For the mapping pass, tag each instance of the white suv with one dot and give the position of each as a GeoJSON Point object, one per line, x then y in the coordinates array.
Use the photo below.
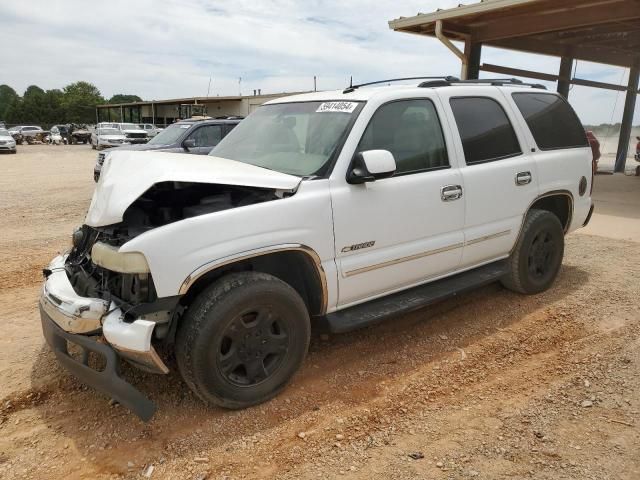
{"type": "Point", "coordinates": [341, 207]}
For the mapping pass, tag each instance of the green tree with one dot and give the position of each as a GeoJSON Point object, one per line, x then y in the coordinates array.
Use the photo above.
{"type": "Point", "coordinates": [80, 100]}
{"type": "Point", "coordinates": [123, 98]}
{"type": "Point", "coordinates": [33, 109]}
{"type": "Point", "coordinates": [8, 96]}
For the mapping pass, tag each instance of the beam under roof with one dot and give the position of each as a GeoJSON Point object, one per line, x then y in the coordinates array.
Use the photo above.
{"type": "Point", "coordinates": [603, 31]}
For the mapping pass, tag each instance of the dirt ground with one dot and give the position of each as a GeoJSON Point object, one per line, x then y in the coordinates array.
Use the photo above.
{"type": "Point", "coordinates": [489, 385]}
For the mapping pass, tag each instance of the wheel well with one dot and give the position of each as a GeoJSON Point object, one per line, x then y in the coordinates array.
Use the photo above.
{"type": "Point", "coordinates": [293, 267]}
{"type": "Point", "coordinates": [560, 204]}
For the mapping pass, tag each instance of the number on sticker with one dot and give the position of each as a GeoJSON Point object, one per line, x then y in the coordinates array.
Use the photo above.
{"type": "Point", "coordinates": [340, 107]}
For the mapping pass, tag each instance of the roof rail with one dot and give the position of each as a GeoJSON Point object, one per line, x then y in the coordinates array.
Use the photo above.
{"type": "Point", "coordinates": [353, 87]}
{"type": "Point", "coordinates": [482, 81]}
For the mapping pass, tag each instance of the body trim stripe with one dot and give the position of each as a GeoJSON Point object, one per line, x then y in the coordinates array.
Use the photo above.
{"type": "Point", "coordinates": [428, 253]}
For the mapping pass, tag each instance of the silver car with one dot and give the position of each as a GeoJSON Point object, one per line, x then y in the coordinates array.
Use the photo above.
{"type": "Point", "coordinates": [7, 143]}
{"type": "Point", "coordinates": [151, 129]}
{"type": "Point", "coordinates": [108, 137]}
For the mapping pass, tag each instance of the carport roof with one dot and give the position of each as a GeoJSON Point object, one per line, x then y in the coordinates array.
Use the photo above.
{"type": "Point", "coordinates": [603, 31]}
{"type": "Point", "coordinates": [192, 100]}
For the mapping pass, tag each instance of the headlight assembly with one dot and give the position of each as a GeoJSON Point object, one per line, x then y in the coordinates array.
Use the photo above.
{"type": "Point", "coordinates": [107, 256]}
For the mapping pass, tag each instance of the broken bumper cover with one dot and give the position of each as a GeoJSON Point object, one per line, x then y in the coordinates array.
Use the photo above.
{"type": "Point", "coordinates": [68, 317]}
{"type": "Point", "coordinates": [108, 381]}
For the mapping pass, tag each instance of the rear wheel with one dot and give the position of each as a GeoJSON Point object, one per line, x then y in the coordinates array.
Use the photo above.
{"type": "Point", "coordinates": [242, 339]}
{"type": "Point", "coordinates": [537, 257]}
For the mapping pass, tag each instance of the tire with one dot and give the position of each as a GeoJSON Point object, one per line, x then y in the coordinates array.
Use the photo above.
{"type": "Point", "coordinates": [242, 339]}
{"type": "Point", "coordinates": [537, 257]}
{"type": "Point", "coordinates": [93, 147]}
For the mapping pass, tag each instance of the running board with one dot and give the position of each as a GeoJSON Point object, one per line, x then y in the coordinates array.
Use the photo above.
{"type": "Point", "coordinates": [415, 298]}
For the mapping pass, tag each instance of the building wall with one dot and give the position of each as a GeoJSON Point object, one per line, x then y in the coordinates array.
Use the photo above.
{"type": "Point", "coordinates": [168, 113]}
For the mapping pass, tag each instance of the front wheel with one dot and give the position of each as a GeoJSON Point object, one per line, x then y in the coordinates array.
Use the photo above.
{"type": "Point", "coordinates": [242, 339]}
{"type": "Point", "coordinates": [537, 257]}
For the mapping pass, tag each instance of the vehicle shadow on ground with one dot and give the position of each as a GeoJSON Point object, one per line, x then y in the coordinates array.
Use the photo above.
{"type": "Point", "coordinates": [344, 370]}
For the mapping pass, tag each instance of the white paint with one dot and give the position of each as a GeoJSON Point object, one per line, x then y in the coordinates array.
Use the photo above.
{"type": "Point", "coordinates": [126, 175]}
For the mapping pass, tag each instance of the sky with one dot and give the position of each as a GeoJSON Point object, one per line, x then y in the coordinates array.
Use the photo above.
{"type": "Point", "coordinates": [171, 48]}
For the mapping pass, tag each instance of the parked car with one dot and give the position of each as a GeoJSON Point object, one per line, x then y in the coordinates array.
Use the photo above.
{"type": "Point", "coordinates": [107, 138]}
{"type": "Point", "coordinates": [343, 207]}
{"type": "Point", "coordinates": [108, 125]}
{"type": "Point", "coordinates": [188, 136]}
{"type": "Point", "coordinates": [7, 142]}
{"type": "Point", "coordinates": [26, 133]}
{"type": "Point", "coordinates": [151, 129]}
{"type": "Point", "coordinates": [637, 155]}
{"type": "Point", "coordinates": [135, 135]}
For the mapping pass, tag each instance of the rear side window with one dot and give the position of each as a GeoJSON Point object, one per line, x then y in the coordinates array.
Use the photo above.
{"type": "Point", "coordinates": [485, 130]}
{"type": "Point", "coordinates": [552, 121]}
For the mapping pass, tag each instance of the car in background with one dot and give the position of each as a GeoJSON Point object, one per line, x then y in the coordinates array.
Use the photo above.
{"type": "Point", "coordinates": [107, 138]}
{"type": "Point", "coordinates": [133, 132]}
{"type": "Point", "coordinates": [151, 129]}
{"type": "Point", "coordinates": [197, 137]}
{"type": "Point", "coordinates": [25, 132]}
{"type": "Point", "coordinates": [108, 125]}
{"type": "Point", "coordinates": [7, 142]}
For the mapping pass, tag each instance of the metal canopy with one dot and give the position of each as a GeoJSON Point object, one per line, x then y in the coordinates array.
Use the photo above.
{"type": "Point", "coordinates": [603, 31]}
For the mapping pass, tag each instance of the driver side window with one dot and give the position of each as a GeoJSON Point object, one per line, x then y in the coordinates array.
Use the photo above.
{"type": "Point", "coordinates": [207, 136]}
{"type": "Point", "coordinates": [411, 131]}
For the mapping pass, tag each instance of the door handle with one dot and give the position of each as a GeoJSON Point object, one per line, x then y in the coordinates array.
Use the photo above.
{"type": "Point", "coordinates": [448, 193]}
{"type": "Point", "coordinates": [523, 178]}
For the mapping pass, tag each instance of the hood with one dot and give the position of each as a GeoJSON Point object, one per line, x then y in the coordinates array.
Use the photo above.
{"type": "Point", "coordinates": [139, 147]}
{"type": "Point", "coordinates": [126, 175]}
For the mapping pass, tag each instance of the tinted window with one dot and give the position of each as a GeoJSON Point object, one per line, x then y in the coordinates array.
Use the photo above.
{"type": "Point", "coordinates": [551, 120]}
{"type": "Point", "coordinates": [411, 131]}
{"type": "Point", "coordinates": [207, 135]}
{"type": "Point", "coordinates": [485, 130]}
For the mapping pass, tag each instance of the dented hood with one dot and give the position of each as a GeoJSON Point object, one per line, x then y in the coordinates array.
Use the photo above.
{"type": "Point", "coordinates": [126, 175]}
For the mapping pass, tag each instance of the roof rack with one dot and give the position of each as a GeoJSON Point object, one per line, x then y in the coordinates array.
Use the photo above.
{"type": "Point", "coordinates": [353, 87]}
{"type": "Point", "coordinates": [447, 82]}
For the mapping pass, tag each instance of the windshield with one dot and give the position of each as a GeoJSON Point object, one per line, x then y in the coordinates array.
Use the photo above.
{"type": "Point", "coordinates": [3, 132]}
{"type": "Point", "coordinates": [109, 131]}
{"type": "Point", "coordinates": [294, 138]}
{"type": "Point", "coordinates": [130, 126]}
{"type": "Point", "coordinates": [170, 135]}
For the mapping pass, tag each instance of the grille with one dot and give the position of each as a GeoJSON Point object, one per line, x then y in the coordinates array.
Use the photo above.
{"type": "Point", "coordinates": [137, 135]}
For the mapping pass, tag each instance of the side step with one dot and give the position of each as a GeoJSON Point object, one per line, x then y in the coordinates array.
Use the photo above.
{"type": "Point", "coordinates": [415, 298]}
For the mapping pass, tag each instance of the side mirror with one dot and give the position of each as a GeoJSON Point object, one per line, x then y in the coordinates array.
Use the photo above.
{"type": "Point", "coordinates": [370, 166]}
{"type": "Point", "coordinates": [189, 143]}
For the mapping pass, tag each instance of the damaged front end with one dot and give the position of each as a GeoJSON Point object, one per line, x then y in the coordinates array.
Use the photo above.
{"type": "Point", "coordinates": [101, 297]}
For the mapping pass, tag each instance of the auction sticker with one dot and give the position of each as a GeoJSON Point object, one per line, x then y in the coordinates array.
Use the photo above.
{"type": "Point", "coordinates": [340, 107]}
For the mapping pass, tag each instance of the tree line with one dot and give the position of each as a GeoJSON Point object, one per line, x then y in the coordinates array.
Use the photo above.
{"type": "Point", "coordinates": [75, 103]}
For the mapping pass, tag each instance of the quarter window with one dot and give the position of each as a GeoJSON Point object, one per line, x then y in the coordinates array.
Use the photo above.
{"type": "Point", "coordinates": [411, 131]}
{"type": "Point", "coordinates": [485, 130]}
{"type": "Point", "coordinates": [552, 121]}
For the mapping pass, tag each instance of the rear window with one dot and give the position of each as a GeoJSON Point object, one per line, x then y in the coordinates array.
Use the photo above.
{"type": "Point", "coordinates": [552, 121]}
{"type": "Point", "coordinates": [485, 130]}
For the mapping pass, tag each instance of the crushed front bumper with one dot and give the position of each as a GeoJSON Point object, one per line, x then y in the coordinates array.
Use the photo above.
{"type": "Point", "coordinates": [108, 380]}
{"type": "Point", "coordinates": [68, 317]}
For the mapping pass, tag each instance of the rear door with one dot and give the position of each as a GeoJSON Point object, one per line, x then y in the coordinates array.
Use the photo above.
{"type": "Point", "coordinates": [499, 172]}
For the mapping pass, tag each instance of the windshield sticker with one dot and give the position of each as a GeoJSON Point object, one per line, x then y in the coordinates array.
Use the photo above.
{"type": "Point", "coordinates": [185, 126]}
{"type": "Point", "coordinates": [340, 107]}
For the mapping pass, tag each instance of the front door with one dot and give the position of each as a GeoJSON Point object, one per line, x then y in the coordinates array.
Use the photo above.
{"type": "Point", "coordinates": [407, 229]}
